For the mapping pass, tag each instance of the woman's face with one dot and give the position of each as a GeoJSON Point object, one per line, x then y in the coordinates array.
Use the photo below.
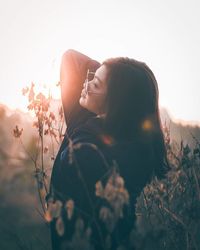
{"type": "Point", "coordinates": [93, 96]}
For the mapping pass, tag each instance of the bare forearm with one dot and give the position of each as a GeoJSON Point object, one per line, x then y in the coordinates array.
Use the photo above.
{"type": "Point", "coordinates": [73, 71]}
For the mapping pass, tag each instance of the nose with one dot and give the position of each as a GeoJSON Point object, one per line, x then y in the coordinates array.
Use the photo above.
{"type": "Point", "coordinates": [86, 86]}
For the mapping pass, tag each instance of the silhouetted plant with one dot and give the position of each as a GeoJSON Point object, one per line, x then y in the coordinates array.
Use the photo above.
{"type": "Point", "coordinates": [168, 211]}
{"type": "Point", "coordinates": [47, 125]}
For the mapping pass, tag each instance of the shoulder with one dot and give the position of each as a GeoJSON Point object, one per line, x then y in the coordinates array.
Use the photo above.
{"type": "Point", "coordinates": [90, 131]}
{"type": "Point", "coordinates": [87, 138]}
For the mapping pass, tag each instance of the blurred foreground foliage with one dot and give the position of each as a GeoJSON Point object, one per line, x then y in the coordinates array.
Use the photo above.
{"type": "Point", "coordinates": [167, 211]}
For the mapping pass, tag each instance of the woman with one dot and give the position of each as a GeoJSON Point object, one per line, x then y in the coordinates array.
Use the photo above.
{"type": "Point", "coordinates": [112, 120]}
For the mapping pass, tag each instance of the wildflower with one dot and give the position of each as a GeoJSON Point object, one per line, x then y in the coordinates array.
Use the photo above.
{"type": "Point", "coordinates": [99, 189]}
{"type": "Point", "coordinates": [119, 182]}
{"type": "Point", "coordinates": [61, 112]}
{"type": "Point", "coordinates": [31, 93]}
{"type": "Point", "coordinates": [70, 208]}
{"type": "Point", "coordinates": [52, 116]}
{"type": "Point", "coordinates": [48, 216]}
{"type": "Point", "coordinates": [54, 209]}
{"type": "Point", "coordinates": [25, 90]}
{"type": "Point", "coordinates": [40, 97]}
{"type": "Point", "coordinates": [117, 196]}
{"type": "Point", "coordinates": [17, 132]}
{"type": "Point", "coordinates": [46, 132]}
{"type": "Point", "coordinates": [60, 226]}
{"type": "Point", "coordinates": [30, 106]}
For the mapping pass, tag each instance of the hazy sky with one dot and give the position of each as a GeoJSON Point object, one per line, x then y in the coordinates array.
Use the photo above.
{"type": "Point", "coordinates": [164, 34]}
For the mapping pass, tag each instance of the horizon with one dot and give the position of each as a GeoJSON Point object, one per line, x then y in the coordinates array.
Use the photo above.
{"type": "Point", "coordinates": [161, 108]}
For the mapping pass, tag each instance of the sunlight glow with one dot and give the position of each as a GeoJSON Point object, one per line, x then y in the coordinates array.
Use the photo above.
{"type": "Point", "coordinates": [164, 35]}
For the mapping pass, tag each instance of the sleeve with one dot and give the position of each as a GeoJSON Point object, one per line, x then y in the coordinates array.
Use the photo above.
{"type": "Point", "coordinates": [73, 69]}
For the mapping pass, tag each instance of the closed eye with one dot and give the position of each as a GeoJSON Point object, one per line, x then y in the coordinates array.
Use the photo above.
{"type": "Point", "coordinates": [96, 85]}
{"type": "Point", "coordinates": [97, 78]}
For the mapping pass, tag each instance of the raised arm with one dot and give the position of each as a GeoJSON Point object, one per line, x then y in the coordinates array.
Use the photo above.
{"type": "Point", "coordinates": [73, 69]}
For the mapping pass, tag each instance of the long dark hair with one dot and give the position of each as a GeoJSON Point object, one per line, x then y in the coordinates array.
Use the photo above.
{"type": "Point", "coordinates": [132, 111]}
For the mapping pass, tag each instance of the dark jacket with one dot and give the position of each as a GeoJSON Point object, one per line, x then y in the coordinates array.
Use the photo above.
{"type": "Point", "coordinates": [135, 167]}
{"type": "Point", "coordinates": [77, 169]}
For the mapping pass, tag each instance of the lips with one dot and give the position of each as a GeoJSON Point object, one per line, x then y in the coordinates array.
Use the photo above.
{"type": "Point", "coordinates": [83, 93]}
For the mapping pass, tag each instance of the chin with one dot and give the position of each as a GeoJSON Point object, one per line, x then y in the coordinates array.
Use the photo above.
{"type": "Point", "coordinates": [82, 102]}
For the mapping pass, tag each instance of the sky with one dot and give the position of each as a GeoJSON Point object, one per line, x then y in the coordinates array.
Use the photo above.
{"type": "Point", "coordinates": [163, 34]}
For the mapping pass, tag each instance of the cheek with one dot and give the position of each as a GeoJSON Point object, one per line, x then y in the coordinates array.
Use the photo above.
{"type": "Point", "coordinates": [93, 103]}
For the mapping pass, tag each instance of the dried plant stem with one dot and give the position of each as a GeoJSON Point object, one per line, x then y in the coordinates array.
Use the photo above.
{"type": "Point", "coordinates": [94, 147]}
{"type": "Point", "coordinates": [177, 219]}
{"type": "Point", "coordinates": [30, 156]}
{"type": "Point", "coordinates": [196, 181]}
{"type": "Point", "coordinates": [40, 197]}
{"type": "Point", "coordinates": [147, 207]}
{"type": "Point", "coordinates": [90, 201]}
{"type": "Point", "coordinates": [173, 215]}
{"type": "Point", "coordinates": [42, 158]}
{"type": "Point", "coordinates": [53, 153]}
